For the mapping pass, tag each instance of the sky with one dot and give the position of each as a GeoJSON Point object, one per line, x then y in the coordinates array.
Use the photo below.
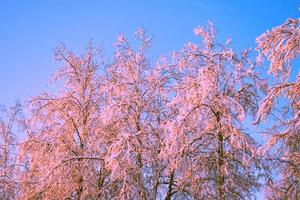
{"type": "Point", "coordinates": [30, 31]}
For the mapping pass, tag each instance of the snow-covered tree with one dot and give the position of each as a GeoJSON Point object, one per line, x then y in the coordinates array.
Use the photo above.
{"type": "Point", "coordinates": [8, 151]}
{"type": "Point", "coordinates": [281, 46]}
{"type": "Point", "coordinates": [133, 115]}
{"type": "Point", "coordinates": [210, 154]}
{"type": "Point", "coordinates": [64, 148]}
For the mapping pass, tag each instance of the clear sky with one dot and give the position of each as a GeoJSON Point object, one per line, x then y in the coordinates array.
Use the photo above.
{"type": "Point", "coordinates": [30, 30]}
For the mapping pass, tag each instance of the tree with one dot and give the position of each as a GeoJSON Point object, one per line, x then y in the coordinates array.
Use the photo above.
{"type": "Point", "coordinates": [209, 152]}
{"type": "Point", "coordinates": [100, 137]}
{"type": "Point", "coordinates": [64, 148]}
{"type": "Point", "coordinates": [8, 143]}
{"type": "Point", "coordinates": [134, 114]}
{"type": "Point", "coordinates": [281, 46]}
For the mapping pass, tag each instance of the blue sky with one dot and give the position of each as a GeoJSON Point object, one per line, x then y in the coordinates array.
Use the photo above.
{"type": "Point", "coordinates": [30, 30]}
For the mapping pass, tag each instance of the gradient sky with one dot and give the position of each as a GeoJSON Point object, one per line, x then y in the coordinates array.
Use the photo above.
{"type": "Point", "coordinates": [30, 30]}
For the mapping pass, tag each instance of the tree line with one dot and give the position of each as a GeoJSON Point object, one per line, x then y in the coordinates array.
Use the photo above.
{"type": "Point", "coordinates": [127, 128]}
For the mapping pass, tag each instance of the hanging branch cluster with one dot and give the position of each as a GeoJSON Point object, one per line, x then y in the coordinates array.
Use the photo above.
{"type": "Point", "coordinates": [281, 46]}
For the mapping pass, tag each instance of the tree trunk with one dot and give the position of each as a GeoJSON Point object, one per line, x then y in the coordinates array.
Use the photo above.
{"type": "Point", "coordinates": [221, 175]}
{"type": "Point", "coordinates": [170, 187]}
{"type": "Point", "coordinates": [80, 188]}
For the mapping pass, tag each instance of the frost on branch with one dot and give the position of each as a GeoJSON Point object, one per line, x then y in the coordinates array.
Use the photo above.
{"type": "Point", "coordinates": [281, 46]}
{"type": "Point", "coordinates": [207, 33]}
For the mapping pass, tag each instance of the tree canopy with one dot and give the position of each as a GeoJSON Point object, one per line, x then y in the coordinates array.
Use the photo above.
{"type": "Point", "coordinates": [131, 128]}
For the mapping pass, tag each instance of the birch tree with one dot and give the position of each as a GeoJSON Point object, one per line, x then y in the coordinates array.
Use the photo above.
{"type": "Point", "coordinates": [64, 147]}
{"type": "Point", "coordinates": [8, 151]}
{"type": "Point", "coordinates": [281, 46]}
{"type": "Point", "coordinates": [210, 154]}
{"type": "Point", "coordinates": [134, 113]}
